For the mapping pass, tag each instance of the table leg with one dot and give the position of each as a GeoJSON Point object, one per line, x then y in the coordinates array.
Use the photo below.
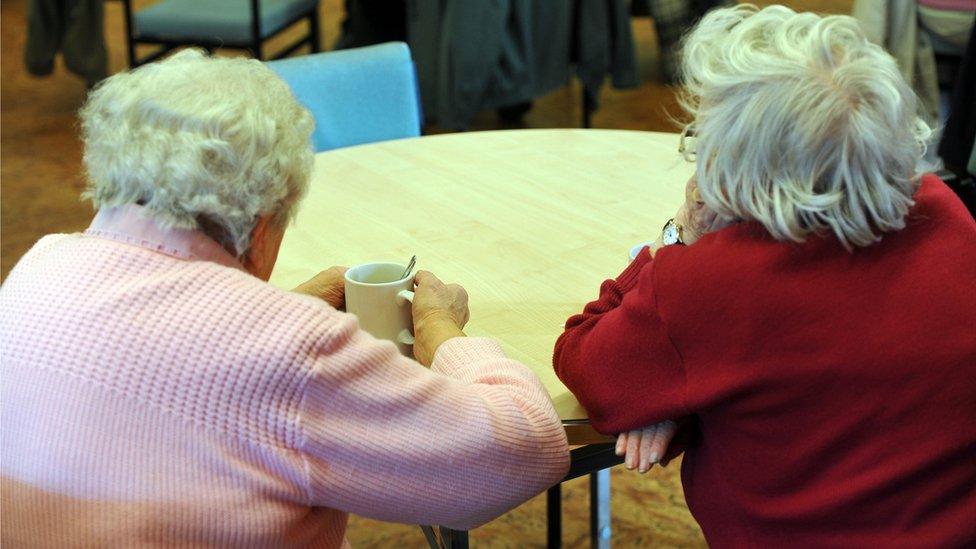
{"type": "Point", "coordinates": [431, 536]}
{"type": "Point", "coordinates": [593, 460]}
{"type": "Point", "coordinates": [600, 509]}
{"type": "Point", "coordinates": [554, 517]}
{"type": "Point", "coordinates": [454, 539]}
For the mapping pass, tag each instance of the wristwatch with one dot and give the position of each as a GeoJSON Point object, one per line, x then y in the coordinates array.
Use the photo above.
{"type": "Point", "coordinates": [671, 233]}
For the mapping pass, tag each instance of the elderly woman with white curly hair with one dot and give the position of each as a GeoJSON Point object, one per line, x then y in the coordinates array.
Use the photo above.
{"type": "Point", "coordinates": [157, 391]}
{"type": "Point", "coordinates": [806, 321]}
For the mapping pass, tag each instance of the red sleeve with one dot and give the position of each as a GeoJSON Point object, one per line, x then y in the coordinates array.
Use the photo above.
{"type": "Point", "coordinates": [617, 358]}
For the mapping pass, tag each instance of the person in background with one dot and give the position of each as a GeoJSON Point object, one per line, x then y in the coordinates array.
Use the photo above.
{"type": "Point", "coordinates": [158, 391]}
{"type": "Point", "coordinates": [806, 319]}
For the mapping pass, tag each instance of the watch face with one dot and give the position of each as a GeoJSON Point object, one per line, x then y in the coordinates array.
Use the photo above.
{"type": "Point", "coordinates": [670, 234]}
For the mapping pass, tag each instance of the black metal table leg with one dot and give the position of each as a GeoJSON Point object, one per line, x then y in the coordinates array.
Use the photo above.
{"type": "Point", "coordinates": [600, 531]}
{"type": "Point", "coordinates": [431, 536]}
{"type": "Point", "coordinates": [594, 460]}
{"type": "Point", "coordinates": [454, 539]}
{"type": "Point", "coordinates": [554, 517]}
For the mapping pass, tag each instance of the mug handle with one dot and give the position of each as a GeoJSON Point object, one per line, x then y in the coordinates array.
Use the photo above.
{"type": "Point", "coordinates": [402, 297]}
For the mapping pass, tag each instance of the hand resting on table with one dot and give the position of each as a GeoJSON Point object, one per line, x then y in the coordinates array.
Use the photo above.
{"type": "Point", "coordinates": [645, 447]}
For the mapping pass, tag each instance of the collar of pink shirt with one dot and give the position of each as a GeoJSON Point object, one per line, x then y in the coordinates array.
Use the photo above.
{"type": "Point", "coordinates": [133, 224]}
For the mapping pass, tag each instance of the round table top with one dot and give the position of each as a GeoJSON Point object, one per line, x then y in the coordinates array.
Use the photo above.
{"type": "Point", "coordinates": [530, 222]}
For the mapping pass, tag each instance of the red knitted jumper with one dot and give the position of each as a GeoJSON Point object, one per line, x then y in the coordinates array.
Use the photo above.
{"type": "Point", "coordinates": [830, 396]}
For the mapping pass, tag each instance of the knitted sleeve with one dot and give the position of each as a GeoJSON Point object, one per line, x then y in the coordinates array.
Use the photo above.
{"type": "Point", "coordinates": [456, 445]}
{"type": "Point", "coordinates": [617, 358]}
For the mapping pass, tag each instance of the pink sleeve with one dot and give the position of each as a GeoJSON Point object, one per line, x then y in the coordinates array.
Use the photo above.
{"type": "Point", "coordinates": [388, 439]}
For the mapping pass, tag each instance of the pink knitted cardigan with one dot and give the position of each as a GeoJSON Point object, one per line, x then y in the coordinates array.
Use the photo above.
{"type": "Point", "coordinates": [155, 393]}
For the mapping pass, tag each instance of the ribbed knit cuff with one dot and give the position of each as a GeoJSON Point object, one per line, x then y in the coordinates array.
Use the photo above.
{"type": "Point", "coordinates": [461, 352]}
{"type": "Point", "coordinates": [627, 279]}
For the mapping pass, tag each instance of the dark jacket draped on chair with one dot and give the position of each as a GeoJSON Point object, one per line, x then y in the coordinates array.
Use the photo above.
{"type": "Point", "coordinates": [72, 27]}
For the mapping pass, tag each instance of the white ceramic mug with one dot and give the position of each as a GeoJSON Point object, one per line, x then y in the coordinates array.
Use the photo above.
{"type": "Point", "coordinates": [381, 299]}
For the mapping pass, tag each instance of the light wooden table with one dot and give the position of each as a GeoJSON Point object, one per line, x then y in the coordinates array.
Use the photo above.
{"type": "Point", "coordinates": [530, 222]}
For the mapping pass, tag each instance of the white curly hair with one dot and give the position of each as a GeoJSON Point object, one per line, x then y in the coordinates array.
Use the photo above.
{"type": "Point", "coordinates": [202, 142]}
{"type": "Point", "coordinates": [801, 124]}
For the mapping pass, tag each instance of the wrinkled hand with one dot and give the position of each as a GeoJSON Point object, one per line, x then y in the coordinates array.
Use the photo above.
{"type": "Point", "coordinates": [645, 447]}
{"type": "Point", "coordinates": [329, 285]}
{"type": "Point", "coordinates": [695, 217]}
{"type": "Point", "coordinates": [434, 299]}
{"type": "Point", "coordinates": [440, 311]}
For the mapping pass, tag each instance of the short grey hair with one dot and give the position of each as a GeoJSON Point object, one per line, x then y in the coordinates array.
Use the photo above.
{"type": "Point", "coordinates": [801, 124]}
{"type": "Point", "coordinates": [202, 142]}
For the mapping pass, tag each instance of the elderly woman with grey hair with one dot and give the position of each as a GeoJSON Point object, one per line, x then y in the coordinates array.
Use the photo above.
{"type": "Point", "coordinates": [806, 320]}
{"type": "Point", "coordinates": [157, 391]}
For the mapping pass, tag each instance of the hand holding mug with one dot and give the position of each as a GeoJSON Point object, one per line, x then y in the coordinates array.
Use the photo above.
{"type": "Point", "coordinates": [440, 311]}
{"type": "Point", "coordinates": [433, 298]}
{"type": "Point", "coordinates": [328, 285]}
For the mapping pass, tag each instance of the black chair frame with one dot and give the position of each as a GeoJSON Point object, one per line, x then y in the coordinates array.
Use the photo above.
{"type": "Point", "coordinates": [253, 45]}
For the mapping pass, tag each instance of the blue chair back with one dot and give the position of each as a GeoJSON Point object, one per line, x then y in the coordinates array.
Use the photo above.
{"type": "Point", "coordinates": [357, 96]}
